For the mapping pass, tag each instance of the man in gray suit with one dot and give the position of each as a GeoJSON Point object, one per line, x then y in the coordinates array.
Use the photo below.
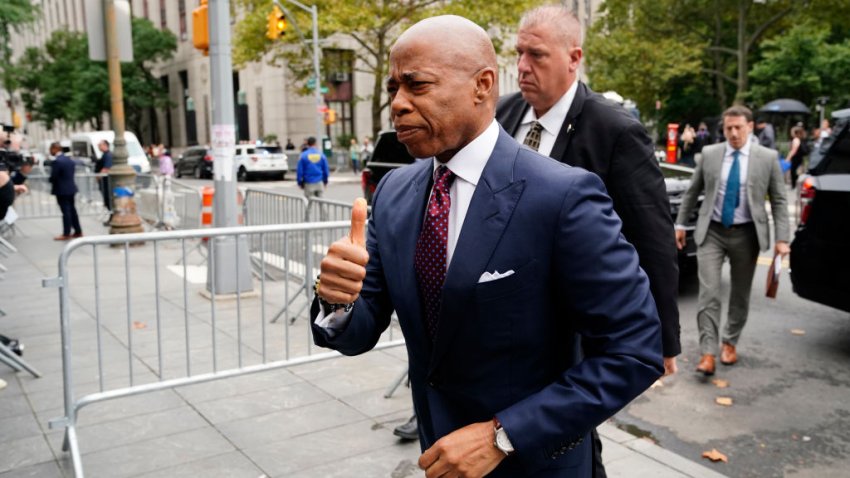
{"type": "Point", "coordinates": [732, 225]}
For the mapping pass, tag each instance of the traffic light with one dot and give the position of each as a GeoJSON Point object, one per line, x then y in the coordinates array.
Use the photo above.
{"type": "Point", "coordinates": [330, 116]}
{"type": "Point", "coordinates": [201, 28]}
{"type": "Point", "coordinates": [277, 24]}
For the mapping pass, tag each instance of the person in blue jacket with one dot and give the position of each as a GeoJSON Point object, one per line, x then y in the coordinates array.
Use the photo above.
{"type": "Point", "coordinates": [313, 170]}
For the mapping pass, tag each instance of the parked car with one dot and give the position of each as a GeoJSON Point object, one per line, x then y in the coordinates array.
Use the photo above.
{"type": "Point", "coordinates": [677, 180]}
{"type": "Point", "coordinates": [820, 258]}
{"type": "Point", "coordinates": [389, 154]}
{"type": "Point", "coordinates": [196, 161]}
{"type": "Point", "coordinates": [84, 149]}
{"type": "Point", "coordinates": [254, 161]}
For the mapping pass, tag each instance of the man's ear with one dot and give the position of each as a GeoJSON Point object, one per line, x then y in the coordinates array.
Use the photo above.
{"type": "Point", "coordinates": [485, 82]}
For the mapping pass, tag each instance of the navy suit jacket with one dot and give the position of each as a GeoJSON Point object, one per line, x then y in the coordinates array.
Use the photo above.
{"type": "Point", "coordinates": [507, 348]}
{"type": "Point", "coordinates": [62, 176]}
{"type": "Point", "coordinates": [603, 138]}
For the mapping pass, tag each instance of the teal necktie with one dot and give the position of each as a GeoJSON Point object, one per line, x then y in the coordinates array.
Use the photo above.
{"type": "Point", "coordinates": [732, 197]}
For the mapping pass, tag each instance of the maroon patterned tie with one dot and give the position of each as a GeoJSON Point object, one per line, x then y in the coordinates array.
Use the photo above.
{"type": "Point", "coordinates": [430, 258]}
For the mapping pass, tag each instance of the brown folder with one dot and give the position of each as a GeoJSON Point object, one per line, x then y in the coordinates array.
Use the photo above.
{"type": "Point", "coordinates": [773, 276]}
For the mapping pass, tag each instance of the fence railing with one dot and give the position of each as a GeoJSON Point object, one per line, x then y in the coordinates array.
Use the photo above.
{"type": "Point", "coordinates": [40, 203]}
{"type": "Point", "coordinates": [158, 327]}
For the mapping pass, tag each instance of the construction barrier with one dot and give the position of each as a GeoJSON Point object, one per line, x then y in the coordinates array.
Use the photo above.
{"type": "Point", "coordinates": [159, 326]}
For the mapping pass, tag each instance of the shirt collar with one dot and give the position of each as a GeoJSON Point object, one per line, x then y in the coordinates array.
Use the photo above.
{"type": "Point", "coordinates": [469, 162]}
{"type": "Point", "coordinates": [554, 118]}
{"type": "Point", "coordinates": [744, 151]}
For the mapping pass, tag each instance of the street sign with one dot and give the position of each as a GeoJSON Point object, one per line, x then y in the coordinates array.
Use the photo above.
{"type": "Point", "coordinates": [95, 29]}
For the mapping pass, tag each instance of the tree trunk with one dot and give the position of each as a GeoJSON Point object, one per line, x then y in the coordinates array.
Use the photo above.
{"type": "Point", "coordinates": [741, 93]}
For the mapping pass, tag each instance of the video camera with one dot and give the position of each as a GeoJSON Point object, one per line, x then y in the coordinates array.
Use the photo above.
{"type": "Point", "coordinates": [9, 160]}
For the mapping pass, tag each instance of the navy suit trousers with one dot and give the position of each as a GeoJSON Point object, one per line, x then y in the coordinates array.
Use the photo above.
{"type": "Point", "coordinates": [69, 215]}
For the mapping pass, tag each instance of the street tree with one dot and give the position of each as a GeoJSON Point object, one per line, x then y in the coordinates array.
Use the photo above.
{"type": "Point", "coordinates": [724, 35]}
{"type": "Point", "coordinates": [15, 15]}
{"type": "Point", "coordinates": [60, 82]}
{"type": "Point", "coordinates": [372, 26]}
{"type": "Point", "coordinates": [803, 64]}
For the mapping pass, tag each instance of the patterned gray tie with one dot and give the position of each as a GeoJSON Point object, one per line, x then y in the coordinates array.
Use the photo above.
{"type": "Point", "coordinates": [532, 139]}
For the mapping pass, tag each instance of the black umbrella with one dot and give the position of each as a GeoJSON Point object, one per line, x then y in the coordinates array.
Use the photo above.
{"type": "Point", "coordinates": [785, 106]}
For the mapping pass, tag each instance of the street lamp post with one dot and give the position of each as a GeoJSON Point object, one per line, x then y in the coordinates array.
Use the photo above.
{"type": "Point", "coordinates": [122, 178]}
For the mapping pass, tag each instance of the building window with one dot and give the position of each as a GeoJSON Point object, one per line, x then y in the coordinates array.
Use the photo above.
{"type": "Point", "coordinates": [163, 23]}
{"type": "Point", "coordinates": [181, 7]}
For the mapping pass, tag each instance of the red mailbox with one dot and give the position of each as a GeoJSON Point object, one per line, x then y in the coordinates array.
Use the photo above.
{"type": "Point", "coordinates": [672, 141]}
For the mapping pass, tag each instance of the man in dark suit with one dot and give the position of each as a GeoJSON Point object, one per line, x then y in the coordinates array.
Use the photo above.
{"type": "Point", "coordinates": [64, 188]}
{"type": "Point", "coordinates": [495, 259]}
{"type": "Point", "coordinates": [581, 128]}
{"type": "Point", "coordinates": [559, 116]}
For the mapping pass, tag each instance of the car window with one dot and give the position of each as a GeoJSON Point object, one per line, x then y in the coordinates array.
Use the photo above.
{"type": "Point", "coordinates": [269, 150]}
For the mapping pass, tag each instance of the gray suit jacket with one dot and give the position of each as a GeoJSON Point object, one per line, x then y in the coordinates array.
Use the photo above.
{"type": "Point", "coordinates": [764, 179]}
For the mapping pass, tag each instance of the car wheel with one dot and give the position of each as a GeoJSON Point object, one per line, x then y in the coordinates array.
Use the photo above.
{"type": "Point", "coordinates": [197, 173]}
{"type": "Point", "coordinates": [178, 172]}
{"type": "Point", "coordinates": [283, 176]}
{"type": "Point", "coordinates": [242, 174]}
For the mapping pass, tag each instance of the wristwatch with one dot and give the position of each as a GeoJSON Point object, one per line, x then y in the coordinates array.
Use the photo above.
{"type": "Point", "coordinates": [327, 306]}
{"type": "Point", "coordinates": [502, 442]}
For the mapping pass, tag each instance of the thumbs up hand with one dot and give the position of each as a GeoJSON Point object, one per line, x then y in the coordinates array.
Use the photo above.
{"type": "Point", "coordinates": [344, 267]}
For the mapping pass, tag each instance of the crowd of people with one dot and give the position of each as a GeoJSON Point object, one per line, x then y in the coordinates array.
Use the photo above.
{"type": "Point", "coordinates": [801, 143]}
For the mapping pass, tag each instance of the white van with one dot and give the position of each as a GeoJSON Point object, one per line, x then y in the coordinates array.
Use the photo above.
{"type": "Point", "coordinates": [84, 148]}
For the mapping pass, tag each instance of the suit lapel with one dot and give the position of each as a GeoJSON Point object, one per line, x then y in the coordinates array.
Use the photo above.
{"type": "Point", "coordinates": [565, 136]}
{"type": "Point", "coordinates": [489, 212]}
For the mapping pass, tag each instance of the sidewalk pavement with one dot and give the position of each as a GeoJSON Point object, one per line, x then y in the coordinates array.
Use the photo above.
{"type": "Point", "coordinates": [324, 419]}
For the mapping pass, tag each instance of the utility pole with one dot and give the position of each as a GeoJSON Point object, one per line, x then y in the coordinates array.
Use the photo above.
{"type": "Point", "coordinates": [228, 254]}
{"type": "Point", "coordinates": [122, 177]}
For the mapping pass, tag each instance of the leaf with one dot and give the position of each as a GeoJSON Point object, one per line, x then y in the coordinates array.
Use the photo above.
{"type": "Point", "coordinates": [715, 455]}
{"type": "Point", "coordinates": [139, 325]}
{"type": "Point", "coordinates": [798, 332]}
{"type": "Point", "coordinates": [725, 401]}
{"type": "Point", "coordinates": [720, 383]}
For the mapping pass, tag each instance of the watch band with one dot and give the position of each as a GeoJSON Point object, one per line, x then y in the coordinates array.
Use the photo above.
{"type": "Point", "coordinates": [327, 306]}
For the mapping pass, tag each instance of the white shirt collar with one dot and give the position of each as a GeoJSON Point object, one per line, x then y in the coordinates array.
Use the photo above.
{"type": "Point", "coordinates": [744, 151]}
{"type": "Point", "coordinates": [554, 118]}
{"type": "Point", "coordinates": [469, 162]}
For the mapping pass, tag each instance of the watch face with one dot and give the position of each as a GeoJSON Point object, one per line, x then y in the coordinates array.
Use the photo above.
{"type": "Point", "coordinates": [502, 441]}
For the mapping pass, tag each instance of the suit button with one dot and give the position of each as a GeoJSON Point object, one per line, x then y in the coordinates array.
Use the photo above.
{"type": "Point", "coordinates": [432, 384]}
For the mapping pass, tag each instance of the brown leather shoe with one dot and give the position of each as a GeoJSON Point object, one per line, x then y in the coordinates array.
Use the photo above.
{"type": "Point", "coordinates": [706, 364]}
{"type": "Point", "coordinates": [62, 238]}
{"type": "Point", "coordinates": [728, 356]}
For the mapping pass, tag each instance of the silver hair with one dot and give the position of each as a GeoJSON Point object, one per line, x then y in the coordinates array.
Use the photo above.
{"type": "Point", "coordinates": [564, 22]}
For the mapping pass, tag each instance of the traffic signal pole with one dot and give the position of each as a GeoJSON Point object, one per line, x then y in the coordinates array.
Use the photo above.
{"type": "Point", "coordinates": [228, 270]}
{"type": "Point", "coordinates": [320, 102]}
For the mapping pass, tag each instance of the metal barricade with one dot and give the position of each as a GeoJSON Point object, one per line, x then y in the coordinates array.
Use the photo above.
{"type": "Point", "coordinates": [167, 203]}
{"type": "Point", "coordinates": [40, 203]}
{"type": "Point", "coordinates": [263, 207]}
{"type": "Point", "coordinates": [151, 327]}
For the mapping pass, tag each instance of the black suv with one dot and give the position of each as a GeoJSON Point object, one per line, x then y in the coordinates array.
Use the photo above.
{"type": "Point", "coordinates": [389, 154]}
{"type": "Point", "coordinates": [820, 259]}
{"type": "Point", "coordinates": [196, 161]}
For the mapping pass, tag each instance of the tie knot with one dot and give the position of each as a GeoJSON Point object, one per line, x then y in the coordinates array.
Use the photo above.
{"type": "Point", "coordinates": [736, 153]}
{"type": "Point", "coordinates": [443, 177]}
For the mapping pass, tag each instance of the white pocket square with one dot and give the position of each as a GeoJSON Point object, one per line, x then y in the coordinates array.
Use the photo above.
{"type": "Point", "coordinates": [491, 276]}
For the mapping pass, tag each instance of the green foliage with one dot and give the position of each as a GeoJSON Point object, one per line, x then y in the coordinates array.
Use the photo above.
{"type": "Point", "coordinates": [59, 82]}
{"type": "Point", "coordinates": [707, 47]}
{"type": "Point", "coordinates": [801, 64]}
{"type": "Point", "coordinates": [14, 16]}
{"type": "Point", "coordinates": [372, 25]}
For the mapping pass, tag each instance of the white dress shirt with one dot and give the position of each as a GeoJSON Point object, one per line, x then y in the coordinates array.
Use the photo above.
{"type": "Point", "coordinates": [742, 212]}
{"type": "Point", "coordinates": [467, 165]}
{"type": "Point", "coordinates": [552, 121]}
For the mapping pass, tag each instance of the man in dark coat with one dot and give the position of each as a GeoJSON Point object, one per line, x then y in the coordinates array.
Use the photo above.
{"type": "Point", "coordinates": [559, 116]}
{"type": "Point", "coordinates": [64, 188]}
